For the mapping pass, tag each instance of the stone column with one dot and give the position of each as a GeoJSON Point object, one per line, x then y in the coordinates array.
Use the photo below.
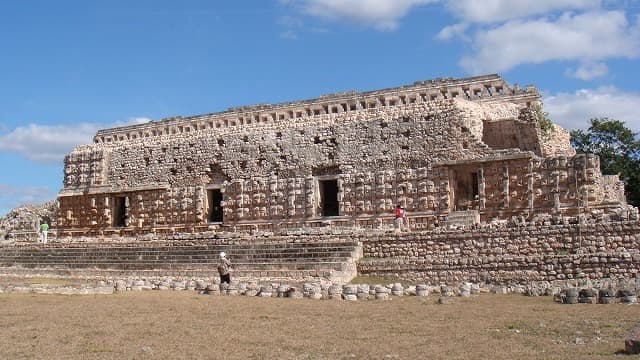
{"type": "Point", "coordinates": [556, 190]}
{"type": "Point", "coordinates": [481, 189]}
{"type": "Point", "coordinates": [505, 191]}
{"type": "Point", "coordinates": [127, 212]}
{"type": "Point", "coordinates": [530, 191]}
{"type": "Point", "coordinates": [310, 196]}
{"type": "Point", "coordinates": [585, 188]}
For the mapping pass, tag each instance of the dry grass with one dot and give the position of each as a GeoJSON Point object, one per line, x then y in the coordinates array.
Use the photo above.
{"type": "Point", "coordinates": [28, 281]}
{"type": "Point", "coordinates": [173, 325]}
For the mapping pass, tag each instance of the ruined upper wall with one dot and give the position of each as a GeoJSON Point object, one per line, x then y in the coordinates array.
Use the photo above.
{"type": "Point", "coordinates": [488, 88]}
{"type": "Point", "coordinates": [556, 141]}
{"type": "Point", "coordinates": [414, 135]}
{"type": "Point", "coordinates": [413, 126]}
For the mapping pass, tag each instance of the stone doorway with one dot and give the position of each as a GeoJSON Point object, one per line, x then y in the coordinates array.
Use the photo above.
{"type": "Point", "coordinates": [119, 218]}
{"type": "Point", "coordinates": [465, 189]}
{"type": "Point", "coordinates": [329, 197]}
{"type": "Point", "coordinates": [214, 202]}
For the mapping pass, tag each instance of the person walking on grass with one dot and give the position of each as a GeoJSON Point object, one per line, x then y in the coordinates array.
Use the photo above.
{"type": "Point", "coordinates": [224, 269]}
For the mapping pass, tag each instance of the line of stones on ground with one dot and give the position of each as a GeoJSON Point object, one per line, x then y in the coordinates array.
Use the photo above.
{"type": "Point", "coordinates": [606, 291]}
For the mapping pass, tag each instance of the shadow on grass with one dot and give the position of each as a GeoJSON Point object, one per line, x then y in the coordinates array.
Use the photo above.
{"type": "Point", "coordinates": [623, 352]}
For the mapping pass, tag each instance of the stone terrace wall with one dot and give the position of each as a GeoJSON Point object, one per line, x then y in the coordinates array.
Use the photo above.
{"type": "Point", "coordinates": [263, 258]}
{"type": "Point", "coordinates": [508, 255]}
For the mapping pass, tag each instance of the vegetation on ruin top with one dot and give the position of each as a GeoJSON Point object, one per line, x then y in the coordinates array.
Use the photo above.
{"type": "Point", "coordinates": [618, 148]}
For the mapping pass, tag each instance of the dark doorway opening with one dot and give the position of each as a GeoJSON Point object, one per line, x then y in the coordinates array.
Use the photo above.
{"type": "Point", "coordinates": [465, 190]}
{"type": "Point", "coordinates": [474, 185]}
{"type": "Point", "coordinates": [214, 198]}
{"type": "Point", "coordinates": [329, 197]}
{"type": "Point", "coordinates": [119, 211]}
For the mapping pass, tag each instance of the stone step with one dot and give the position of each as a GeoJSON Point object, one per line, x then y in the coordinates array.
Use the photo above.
{"type": "Point", "coordinates": [188, 256]}
{"type": "Point", "coordinates": [157, 265]}
{"type": "Point", "coordinates": [174, 257]}
{"type": "Point", "coordinates": [239, 249]}
{"type": "Point", "coordinates": [169, 262]}
{"type": "Point", "coordinates": [161, 263]}
{"type": "Point", "coordinates": [181, 254]}
{"type": "Point", "coordinates": [192, 252]}
{"type": "Point", "coordinates": [191, 245]}
{"type": "Point", "coordinates": [466, 218]}
{"type": "Point", "coordinates": [240, 274]}
{"type": "Point", "coordinates": [286, 257]}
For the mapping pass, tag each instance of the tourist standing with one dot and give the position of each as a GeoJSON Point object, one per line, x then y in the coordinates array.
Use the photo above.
{"type": "Point", "coordinates": [400, 214]}
{"type": "Point", "coordinates": [44, 230]}
{"type": "Point", "coordinates": [405, 219]}
{"type": "Point", "coordinates": [224, 269]}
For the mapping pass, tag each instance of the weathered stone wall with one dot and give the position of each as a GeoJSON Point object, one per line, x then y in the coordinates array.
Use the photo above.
{"type": "Point", "coordinates": [498, 255]}
{"type": "Point", "coordinates": [555, 142]}
{"type": "Point", "coordinates": [385, 138]}
{"type": "Point", "coordinates": [85, 167]}
{"type": "Point", "coordinates": [511, 134]}
{"type": "Point", "coordinates": [524, 186]}
{"type": "Point", "coordinates": [24, 221]}
{"type": "Point", "coordinates": [613, 189]}
{"type": "Point", "coordinates": [435, 147]}
{"type": "Point", "coordinates": [514, 254]}
{"type": "Point", "coordinates": [480, 88]}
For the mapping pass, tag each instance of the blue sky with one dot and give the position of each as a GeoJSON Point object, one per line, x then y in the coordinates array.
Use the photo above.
{"type": "Point", "coordinates": [71, 67]}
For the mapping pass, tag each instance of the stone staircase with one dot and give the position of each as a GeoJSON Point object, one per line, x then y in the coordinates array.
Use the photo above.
{"type": "Point", "coordinates": [461, 219]}
{"type": "Point", "coordinates": [277, 260]}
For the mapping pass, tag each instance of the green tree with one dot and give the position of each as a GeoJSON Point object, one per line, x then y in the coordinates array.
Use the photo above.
{"type": "Point", "coordinates": [618, 148]}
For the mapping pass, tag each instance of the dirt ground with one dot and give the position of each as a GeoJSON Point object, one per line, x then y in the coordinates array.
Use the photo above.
{"type": "Point", "coordinates": [186, 325]}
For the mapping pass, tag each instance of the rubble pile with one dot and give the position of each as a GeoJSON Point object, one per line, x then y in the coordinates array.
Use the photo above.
{"type": "Point", "coordinates": [26, 219]}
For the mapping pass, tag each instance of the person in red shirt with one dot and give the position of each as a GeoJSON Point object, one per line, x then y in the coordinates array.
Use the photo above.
{"type": "Point", "coordinates": [400, 215]}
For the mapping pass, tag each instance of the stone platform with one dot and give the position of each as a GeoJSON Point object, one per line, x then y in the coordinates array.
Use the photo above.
{"type": "Point", "coordinates": [517, 254]}
{"type": "Point", "coordinates": [278, 259]}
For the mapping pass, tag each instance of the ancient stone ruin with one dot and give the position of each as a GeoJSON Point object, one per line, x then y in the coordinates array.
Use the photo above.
{"type": "Point", "coordinates": [452, 152]}
{"type": "Point", "coordinates": [306, 190]}
{"type": "Point", "coordinates": [22, 221]}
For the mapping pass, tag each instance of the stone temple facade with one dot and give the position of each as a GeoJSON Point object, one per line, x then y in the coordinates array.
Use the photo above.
{"type": "Point", "coordinates": [451, 151]}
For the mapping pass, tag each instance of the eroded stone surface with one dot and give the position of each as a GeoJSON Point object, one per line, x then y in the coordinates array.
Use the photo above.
{"type": "Point", "coordinates": [436, 147]}
{"type": "Point", "coordinates": [491, 194]}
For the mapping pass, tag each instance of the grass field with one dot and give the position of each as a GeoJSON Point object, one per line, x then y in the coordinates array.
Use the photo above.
{"type": "Point", "coordinates": [186, 325]}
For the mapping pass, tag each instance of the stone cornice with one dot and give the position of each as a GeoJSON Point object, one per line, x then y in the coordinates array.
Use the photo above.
{"type": "Point", "coordinates": [479, 88]}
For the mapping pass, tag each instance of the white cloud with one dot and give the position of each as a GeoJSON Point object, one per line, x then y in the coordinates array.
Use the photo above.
{"type": "Point", "coordinates": [591, 36]}
{"type": "Point", "coordinates": [50, 143]}
{"type": "Point", "coordinates": [588, 71]}
{"type": "Point", "coordinates": [574, 110]}
{"type": "Point", "coordinates": [12, 197]}
{"type": "Point", "coordinates": [381, 14]}
{"type": "Point", "coordinates": [44, 144]}
{"type": "Point", "coordinates": [452, 31]}
{"type": "Point", "coordinates": [505, 33]}
{"type": "Point", "coordinates": [492, 11]}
